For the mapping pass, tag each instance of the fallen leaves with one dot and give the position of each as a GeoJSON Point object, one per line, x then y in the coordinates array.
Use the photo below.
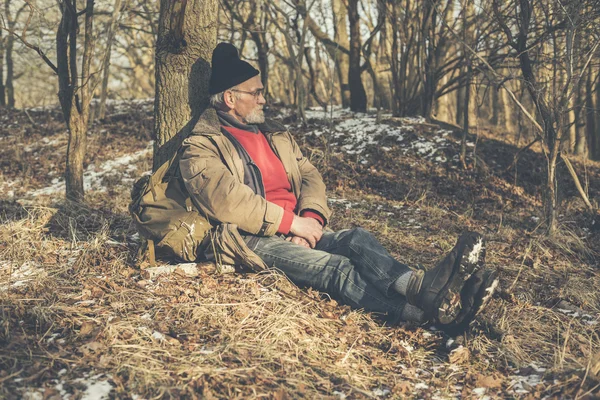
{"type": "Point", "coordinates": [493, 381]}
{"type": "Point", "coordinates": [460, 356]}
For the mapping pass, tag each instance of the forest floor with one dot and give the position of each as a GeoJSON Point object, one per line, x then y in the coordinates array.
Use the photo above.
{"type": "Point", "coordinates": [78, 321]}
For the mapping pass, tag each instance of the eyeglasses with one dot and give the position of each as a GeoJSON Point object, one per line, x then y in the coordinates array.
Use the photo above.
{"type": "Point", "coordinates": [256, 94]}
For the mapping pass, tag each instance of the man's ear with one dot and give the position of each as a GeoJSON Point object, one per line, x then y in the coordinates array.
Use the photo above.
{"type": "Point", "coordinates": [229, 99]}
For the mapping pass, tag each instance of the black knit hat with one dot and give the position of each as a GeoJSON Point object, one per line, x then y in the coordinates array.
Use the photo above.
{"type": "Point", "coordinates": [227, 69]}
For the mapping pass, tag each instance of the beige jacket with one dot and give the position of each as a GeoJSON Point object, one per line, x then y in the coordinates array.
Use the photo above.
{"type": "Point", "coordinates": [213, 174]}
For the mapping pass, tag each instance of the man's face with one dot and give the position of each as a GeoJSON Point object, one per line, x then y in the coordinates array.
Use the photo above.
{"type": "Point", "coordinates": [248, 101]}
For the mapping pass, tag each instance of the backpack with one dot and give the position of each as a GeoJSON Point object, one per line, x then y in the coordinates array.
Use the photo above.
{"type": "Point", "coordinates": [164, 215]}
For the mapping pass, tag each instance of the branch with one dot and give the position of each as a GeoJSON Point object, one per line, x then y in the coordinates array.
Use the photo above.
{"type": "Point", "coordinates": [584, 196]}
{"type": "Point", "coordinates": [503, 25]}
{"type": "Point", "coordinates": [33, 47]}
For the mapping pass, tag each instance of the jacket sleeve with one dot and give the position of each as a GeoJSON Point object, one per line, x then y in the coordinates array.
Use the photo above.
{"type": "Point", "coordinates": [312, 192]}
{"type": "Point", "coordinates": [220, 195]}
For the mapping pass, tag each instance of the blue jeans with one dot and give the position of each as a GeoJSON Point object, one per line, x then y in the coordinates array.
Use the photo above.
{"type": "Point", "coordinates": [350, 265]}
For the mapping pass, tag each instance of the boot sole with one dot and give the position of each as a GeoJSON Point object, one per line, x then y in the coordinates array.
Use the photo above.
{"type": "Point", "coordinates": [489, 293]}
{"type": "Point", "coordinates": [471, 260]}
{"type": "Point", "coordinates": [482, 299]}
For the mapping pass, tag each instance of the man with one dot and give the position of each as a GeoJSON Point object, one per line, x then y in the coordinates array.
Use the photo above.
{"type": "Point", "coordinates": [249, 177]}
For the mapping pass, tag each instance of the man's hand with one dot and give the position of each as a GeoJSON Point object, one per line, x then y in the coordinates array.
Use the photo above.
{"type": "Point", "coordinates": [308, 229]}
{"type": "Point", "coordinates": [298, 240]}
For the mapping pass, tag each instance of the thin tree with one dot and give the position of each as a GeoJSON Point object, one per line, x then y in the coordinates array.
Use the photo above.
{"type": "Point", "coordinates": [358, 96]}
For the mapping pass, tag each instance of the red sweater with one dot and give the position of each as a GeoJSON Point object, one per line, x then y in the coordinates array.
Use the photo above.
{"type": "Point", "coordinates": [277, 187]}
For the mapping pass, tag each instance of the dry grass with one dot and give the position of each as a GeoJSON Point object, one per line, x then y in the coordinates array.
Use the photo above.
{"type": "Point", "coordinates": [71, 302]}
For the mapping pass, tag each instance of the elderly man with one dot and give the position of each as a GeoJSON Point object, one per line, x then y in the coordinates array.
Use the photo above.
{"type": "Point", "coordinates": [249, 177]}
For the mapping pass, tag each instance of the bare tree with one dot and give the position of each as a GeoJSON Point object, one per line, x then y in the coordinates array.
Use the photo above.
{"type": "Point", "coordinates": [106, 62]}
{"type": "Point", "coordinates": [75, 87]}
{"type": "Point", "coordinates": [533, 23]}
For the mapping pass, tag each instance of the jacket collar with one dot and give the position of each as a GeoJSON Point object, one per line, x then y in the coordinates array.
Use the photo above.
{"type": "Point", "coordinates": [209, 124]}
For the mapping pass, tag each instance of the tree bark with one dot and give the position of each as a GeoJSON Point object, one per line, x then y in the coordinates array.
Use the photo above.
{"type": "Point", "coordinates": [507, 112]}
{"type": "Point", "coordinates": [591, 126]}
{"type": "Point", "coordinates": [187, 35]}
{"type": "Point", "coordinates": [2, 89]}
{"type": "Point", "coordinates": [74, 99]}
{"type": "Point", "coordinates": [580, 142]}
{"type": "Point", "coordinates": [342, 60]}
{"type": "Point", "coordinates": [106, 63]}
{"type": "Point", "coordinates": [10, 70]}
{"type": "Point", "coordinates": [358, 96]}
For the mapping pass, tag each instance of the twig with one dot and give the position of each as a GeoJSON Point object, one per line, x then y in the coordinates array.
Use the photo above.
{"type": "Point", "coordinates": [516, 157]}
{"type": "Point", "coordinates": [584, 196]}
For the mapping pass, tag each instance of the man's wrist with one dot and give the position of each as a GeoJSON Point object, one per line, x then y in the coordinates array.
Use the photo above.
{"type": "Point", "coordinates": [314, 215]}
{"type": "Point", "coordinates": [286, 222]}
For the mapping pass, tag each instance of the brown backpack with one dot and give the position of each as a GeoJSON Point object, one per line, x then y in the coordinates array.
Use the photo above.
{"type": "Point", "coordinates": [163, 213]}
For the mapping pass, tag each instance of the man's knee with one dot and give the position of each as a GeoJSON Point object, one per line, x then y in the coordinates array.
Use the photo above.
{"type": "Point", "coordinates": [358, 235]}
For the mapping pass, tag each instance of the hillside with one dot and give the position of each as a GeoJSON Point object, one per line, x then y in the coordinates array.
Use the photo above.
{"type": "Point", "coordinates": [78, 320]}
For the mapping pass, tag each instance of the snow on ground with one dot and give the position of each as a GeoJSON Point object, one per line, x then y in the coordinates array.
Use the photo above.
{"type": "Point", "coordinates": [522, 384]}
{"type": "Point", "coordinates": [354, 132]}
{"type": "Point", "coordinates": [97, 387]}
{"type": "Point", "coordinates": [18, 275]}
{"type": "Point", "coordinates": [586, 318]}
{"type": "Point", "coordinates": [93, 176]}
{"type": "Point", "coordinates": [14, 275]}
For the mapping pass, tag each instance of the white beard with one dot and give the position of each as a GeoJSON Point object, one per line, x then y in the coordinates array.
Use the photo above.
{"type": "Point", "coordinates": [256, 116]}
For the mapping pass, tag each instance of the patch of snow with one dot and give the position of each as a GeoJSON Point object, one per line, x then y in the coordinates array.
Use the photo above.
{"type": "Point", "coordinates": [421, 386]}
{"type": "Point", "coordinates": [407, 346]}
{"type": "Point", "coordinates": [479, 391]}
{"type": "Point", "coordinates": [347, 203]}
{"type": "Point", "coordinates": [585, 318]}
{"type": "Point", "coordinates": [380, 392]}
{"type": "Point", "coordinates": [340, 395]}
{"type": "Point", "coordinates": [93, 175]}
{"type": "Point", "coordinates": [522, 384]}
{"type": "Point", "coordinates": [13, 275]}
{"type": "Point", "coordinates": [158, 336]}
{"type": "Point", "coordinates": [97, 387]}
{"type": "Point", "coordinates": [52, 337]}
{"type": "Point", "coordinates": [37, 395]}
{"type": "Point", "coordinates": [206, 351]}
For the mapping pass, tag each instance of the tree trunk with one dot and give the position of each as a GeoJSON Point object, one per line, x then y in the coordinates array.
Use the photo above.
{"type": "Point", "coordinates": [2, 89]}
{"type": "Point", "coordinates": [74, 99]}
{"type": "Point", "coordinates": [187, 35]}
{"type": "Point", "coordinates": [358, 96]}
{"type": "Point", "coordinates": [10, 71]}
{"type": "Point", "coordinates": [495, 106]}
{"type": "Point", "coordinates": [591, 126]}
{"type": "Point", "coordinates": [460, 103]}
{"type": "Point", "coordinates": [342, 60]}
{"type": "Point", "coordinates": [394, 65]}
{"type": "Point", "coordinates": [580, 142]}
{"type": "Point", "coordinates": [427, 56]}
{"type": "Point", "coordinates": [262, 48]}
{"type": "Point", "coordinates": [106, 64]}
{"type": "Point", "coordinates": [465, 109]}
{"type": "Point", "coordinates": [75, 155]}
{"type": "Point", "coordinates": [507, 112]}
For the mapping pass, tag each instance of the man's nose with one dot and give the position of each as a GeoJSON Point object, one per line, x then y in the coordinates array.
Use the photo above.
{"type": "Point", "coordinates": [261, 99]}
